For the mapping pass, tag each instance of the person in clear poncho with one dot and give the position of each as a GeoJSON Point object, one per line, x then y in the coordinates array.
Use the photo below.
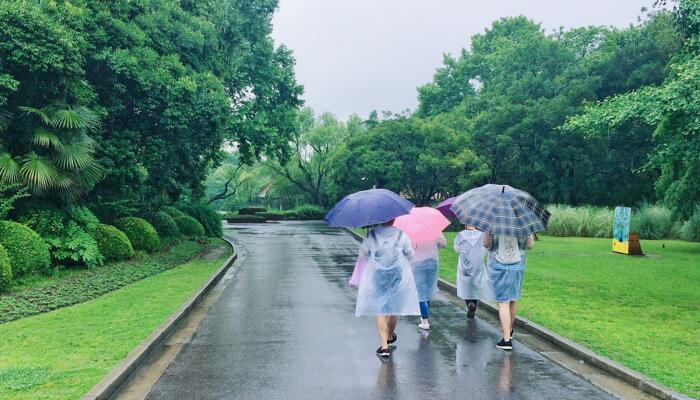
{"type": "Point", "coordinates": [425, 264]}
{"type": "Point", "coordinates": [506, 266]}
{"type": "Point", "coordinates": [471, 268]}
{"type": "Point", "coordinates": [387, 288]}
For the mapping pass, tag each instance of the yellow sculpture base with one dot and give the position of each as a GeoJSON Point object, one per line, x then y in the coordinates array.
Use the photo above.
{"type": "Point", "coordinates": [621, 247]}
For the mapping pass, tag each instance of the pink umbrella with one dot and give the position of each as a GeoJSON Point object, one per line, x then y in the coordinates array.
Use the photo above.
{"type": "Point", "coordinates": [422, 224]}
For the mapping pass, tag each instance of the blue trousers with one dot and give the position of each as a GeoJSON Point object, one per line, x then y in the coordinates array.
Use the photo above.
{"type": "Point", "coordinates": [424, 309]}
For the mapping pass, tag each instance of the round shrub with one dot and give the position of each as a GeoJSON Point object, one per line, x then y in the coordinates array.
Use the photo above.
{"type": "Point", "coordinates": [208, 217]}
{"type": "Point", "coordinates": [27, 250]}
{"type": "Point", "coordinates": [113, 243]}
{"type": "Point", "coordinates": [44, 219]}
{"type": "Point", "coordinates": [141, 234]}
{"type": "Point", "coordinates": [5, 269]}
{"type": "Point", "coordinates": [189, 226]}
{"type": "Point", "coordinates": [172, 211]}
{"type": "Point", "coordinates": [165, 225]}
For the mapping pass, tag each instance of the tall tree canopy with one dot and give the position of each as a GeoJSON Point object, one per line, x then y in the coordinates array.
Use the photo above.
{"type": "Point", "coordinates": [169, 80]}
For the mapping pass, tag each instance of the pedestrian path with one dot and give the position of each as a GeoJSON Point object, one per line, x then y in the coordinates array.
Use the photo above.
{"type": "Point", "coordinates": [285, 328]}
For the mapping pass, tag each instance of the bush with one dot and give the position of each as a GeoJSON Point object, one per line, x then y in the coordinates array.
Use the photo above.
{"type": "Point", "coordinates": [189, 226]}
{"type": "Point", "coordinates": [305, 212]}
{"type": "Point", "coordinates": [113, 243]}
{"type": "Point", "coordinates": [691, 228]}
{"type": "Point", "coordinates": [580, 221]}
{"type": "Point", "coordinates": [27, 251]}
{"type": "Point", "coordinates": [75, 246]}
{"type": "Point", "coordinates": [272, 216]}
{"type": "Point", "coordinates": [172, 211]}
{"type": "Point", "coordinates": [64, 232]}
{"type": "Point", "coordinates": [83, 216]}
{"type": "Point", "coordinates": [141, 234]}
{"type": "Point", "coordinates": [165, 225]}
{"type": "Point", "coordinates": [208, 217]}
{"type": "Point", "coordinates": [251, 210]}
{"type": "Point", "coordinates": [245, 219]}
{"type": "Point", "coordinates": [652, 222]}
{"type": "Point", "coordinates": [5, 269]}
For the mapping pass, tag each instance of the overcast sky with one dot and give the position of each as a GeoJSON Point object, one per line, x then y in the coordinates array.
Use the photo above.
{"type": "Point", "coordinates": [354, 56]}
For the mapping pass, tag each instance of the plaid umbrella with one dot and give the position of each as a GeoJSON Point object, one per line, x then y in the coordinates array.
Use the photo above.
{"type": "Point", "coordinates": [501, 210]}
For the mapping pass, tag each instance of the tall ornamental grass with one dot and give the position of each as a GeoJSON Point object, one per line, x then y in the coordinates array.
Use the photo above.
{"type": "Point", "coordinates": [652, 222]}
{"type": "Point", "coordinates": [585, 221]}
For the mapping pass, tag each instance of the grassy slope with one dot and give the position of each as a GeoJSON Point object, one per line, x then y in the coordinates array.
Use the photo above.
{"type": "Point", "coordinates": [643, 312]}
{"type": "Point", "coordinates": [63, 353]}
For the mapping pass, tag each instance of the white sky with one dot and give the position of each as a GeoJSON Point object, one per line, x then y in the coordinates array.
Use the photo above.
{"type": "Point", "coordinates": [359, 55]}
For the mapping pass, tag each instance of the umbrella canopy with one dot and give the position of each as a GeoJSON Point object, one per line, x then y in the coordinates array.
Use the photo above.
{"type": "Point", "coordinates": [444, 207]}
{"type": "Point", "coordinates": [422, 224]}
{"type": "Point", "coordinates": [501, 210]}
{"type": "Point", "coordinates": [367, 207]}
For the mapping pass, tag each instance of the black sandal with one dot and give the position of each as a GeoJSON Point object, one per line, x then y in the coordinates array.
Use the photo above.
{"type": "Point", "coordinates": [384, 353]}
{"type": "Point", "coordinates": [393, 339]}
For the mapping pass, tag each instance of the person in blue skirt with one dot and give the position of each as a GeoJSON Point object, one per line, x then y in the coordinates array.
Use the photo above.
{"type": "Point", "coordinates": [505, 269]}
{"type": "Point", "coordinates": [425, 264]}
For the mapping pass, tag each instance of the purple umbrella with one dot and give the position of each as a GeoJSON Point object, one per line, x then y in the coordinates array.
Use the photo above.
{"type": "Point", "coordinates": [444, 208]}
{"type": "Point", "coordinates": [368, 207]}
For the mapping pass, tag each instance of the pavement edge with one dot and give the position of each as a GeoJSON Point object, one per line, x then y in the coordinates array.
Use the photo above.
{"type": "Point", "coordinates": [574, 349]}
{"type": "Point", "coordinates": [119, 374]}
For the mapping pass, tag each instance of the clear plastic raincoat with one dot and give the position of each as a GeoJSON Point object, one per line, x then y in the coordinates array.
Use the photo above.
{"type": "Point", "coordinates": [425, 264]}
{"type": "Point", "coordinates": [387, 286]}
{"type": "Point", "coordinates": [471, 268]}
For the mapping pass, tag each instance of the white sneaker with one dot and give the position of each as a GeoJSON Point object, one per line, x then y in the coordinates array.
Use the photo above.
{"type": "Point", "coordinates": [424, 325]}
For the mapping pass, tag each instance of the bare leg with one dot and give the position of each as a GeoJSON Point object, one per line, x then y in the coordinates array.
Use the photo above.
{"type": "Point", "coordinates": [513, 309]}
{"type": "Point", "coordinates": [391, 325]}
{"type": "Point", "coordinates": [504, 317]}
{"type": "Point", "coordinates": [382, 330]}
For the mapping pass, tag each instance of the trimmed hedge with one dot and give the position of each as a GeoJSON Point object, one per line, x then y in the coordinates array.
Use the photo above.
{"type": "Point", "coordinates": [172, 211]}
{"type": "Point", "coordinates": [143, 236]}
{"type": "Point", "coordinates": [27, 250]}
{"type": "Point", "coordinates": [189, 226]}
{"type": "Point", "coordinates": [165, 225]}
{"type": "Point", "coordinates": [251, 210]}
{"type": "Point", "coordinates": [5, 269]}
{"type": "Point", "coordinates": [245, 219]}
{"type": "Point", "coordinates": [208, 217]}
{"type": "Point", "coordinates": [305, 212]}
{"type": "Point", "coordinates": [272, 216]}
{"type": "Point", "coordinates": [113, 243]}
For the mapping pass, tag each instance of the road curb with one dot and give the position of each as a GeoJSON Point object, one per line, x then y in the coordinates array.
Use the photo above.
{"type": "Point", "coordinates": [119, 374]}
{"type": "Point", "coordinates": [574, 349]}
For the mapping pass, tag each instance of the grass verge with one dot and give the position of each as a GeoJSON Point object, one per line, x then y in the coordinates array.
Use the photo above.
{"type": "Point", "coordinates": [643, 312]}
{"type": "Point", "coordinates": [63, 353]}
{"type": "Point", "coordinates": [76, 286]}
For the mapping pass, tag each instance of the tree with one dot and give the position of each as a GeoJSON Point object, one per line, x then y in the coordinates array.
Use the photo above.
{"type": "Point", "coordinates": [671, 110]}
{"type": "Point", "coordinates": [311, 165]}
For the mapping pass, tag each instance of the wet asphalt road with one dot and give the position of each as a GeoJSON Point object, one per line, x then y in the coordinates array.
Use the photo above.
{"type": "Point", "coordinates": [285, 328]}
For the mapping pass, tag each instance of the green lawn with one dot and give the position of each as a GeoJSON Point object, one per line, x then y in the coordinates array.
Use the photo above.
{"type": "Point", "coordinates": [62, 354]}
{"type": "Point", "coordinates": [643, 312]}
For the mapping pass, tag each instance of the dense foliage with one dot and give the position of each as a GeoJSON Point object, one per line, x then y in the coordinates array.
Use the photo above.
{"type": "Point", "coordinates": [102, 98]}
{"type": "Point", "coordinates": [190, 227]}
{"type": "Point", "coordinates": [5, 269]}
{"type": "Point", "coordinates": [64, 232]}
{"type": "Point", "coordinates": [208, 217]}
{"type": "Point", "coordinates": [141, 234]}
{"type": "Point", "coordinates": [113, 244]}
{"type": "Point", "coordinates": [89, 284]}
{"type": "Point", "coordinates": [27, 251]}
{"type": "Point", "coordinates": [165, 225]}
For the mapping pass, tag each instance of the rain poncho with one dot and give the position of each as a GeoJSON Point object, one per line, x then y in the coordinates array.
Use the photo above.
{"type": "Point", "coordinates": [505, 280]}
{"type": "Point", "coordinates": [471, 269]}
{"type": "Point", "coordinates": [425, 264]}
{"type": "Point", "coordinates": [387, 286]}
